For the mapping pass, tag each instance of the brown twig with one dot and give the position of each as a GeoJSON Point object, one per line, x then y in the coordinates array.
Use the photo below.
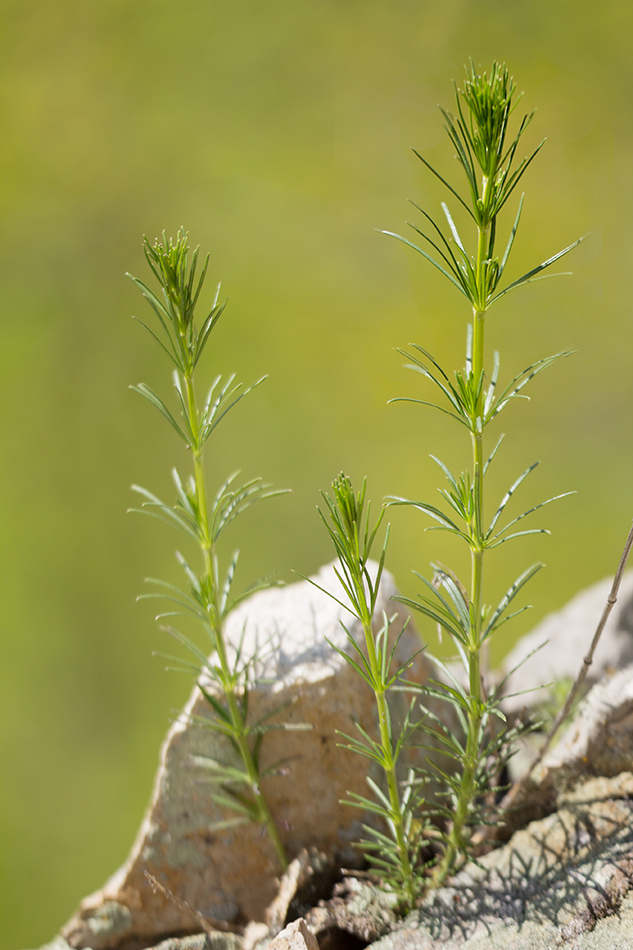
{"type": "Point", "coordinates": [584, 669]}
{"type": "Point", "coordinates": [185, 905]}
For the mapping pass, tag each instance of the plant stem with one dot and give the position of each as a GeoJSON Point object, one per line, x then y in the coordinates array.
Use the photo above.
{"type": "Point", "coordinates": [240, 726]}
{"type": "Point", "coordinates": [455, 843]}
{"type": "Point", "coordinates": [478, 132]}
{"type": "Point", "coordinates": [208, 599]}
{"type": "Point", "coordinates": [389, 767]}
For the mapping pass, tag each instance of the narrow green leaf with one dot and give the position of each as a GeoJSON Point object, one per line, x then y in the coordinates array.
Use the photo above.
{"type": "Point", "coordinates": [508, 495]}
{"type": "Point", "coordinates": [158, 403]}
{"type": "Point", "coordinates": [508, 597]}
{"type": "Point", "coordinates": [444, 182]}
{"type": "Point", "coordinates": [531, 274]}
{"type": "Point", "coordinates": [510, 243]}
{"type": "Point", "coordinates": [430, 259]}
{"type": "Point", "coordinates": [433, 405]}
{"type": "Point", "coordinates": [530, 511]}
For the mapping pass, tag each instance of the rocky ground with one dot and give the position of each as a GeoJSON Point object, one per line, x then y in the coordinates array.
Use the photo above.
{"type": "Point", "coordinates": [563, 879]}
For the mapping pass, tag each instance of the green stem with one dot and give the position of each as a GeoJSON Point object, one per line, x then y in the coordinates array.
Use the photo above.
{"type": "Point", "coordinates": [239, 724]}
{"type": "Point", "coordinates": [477, 438]}
{"type": "Point", "coordinates": [389, 768]}
{"type": "Point", "coordinates": [456, 842]}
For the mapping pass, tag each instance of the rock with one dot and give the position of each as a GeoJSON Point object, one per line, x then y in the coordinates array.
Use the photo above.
{"type": "Point", "coordinates": [256, 936]}
{"type": "Point", "coordinates": [563, 881]}
{"type": "Point", "coordinates": [334, 912]}
{"type": "Point", "coordinates": [358, 909]}
{"type": "Point", "coordinates": [567, 635]}
{"type": "Point", "coordinates": [226, 876]}
{"type": "Point", "coordinates": [208, 941]}
{"type": "Point", "coordinates": [599, 741]}
{"type": "Point", "coordinates": [295, 936]}
{"type": "Point", "coordinates": [306, 880]}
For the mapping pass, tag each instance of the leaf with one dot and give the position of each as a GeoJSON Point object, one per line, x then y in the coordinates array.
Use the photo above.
{"type": "Point", "coordinates": [514, 179]}
{"type": "Point", "coordinates": [446, 255]}
{"type": "Point", "coordinates": [445, 620]}
{"type": "Point", "coordinates": [512, 389]}
{"type": "Point", "coordinates": [231, 801]}
{"type": "Point", "coordinates": [430, 259]}
{"type": "Point", "coordinates": [508, 495]}
{"type": "Point", "coordinates": [173, 594]}
{"type": "Point", "coordinates": [220, 773]}
{"type": "Point", "coordinates": [493, 453]}
{"type": "Point", "coordinates": [189, 644]}
{"type": "Point", "coordinates": [445, 522]}
{"type": "Point", "coordinates": [444, 182]}
{"type": "Point", "coordinates": [433, 405]}
{"type": "Point", "coordinates": [228, 823]}
{"type": "Point", "coordinates": [451, 393]}
{"type": "Point", "coordinates": [491, 392]}
{"type": "Point", "coordinates": [510, 243]}
{"type": "Point", "coordinates": [163, 512]}
{"type": "Point", "coordinates": [172, 354]}
{"type": "Point", "coordinates": [531, 274]}
{"type": "Point", "coordinates": [215, 411]}
{"type": "Point", "coordinates": [231, 502]}
{"type": "Point", "coordinates": [524, 515]}
{"type": "Point", "coordinates": [207, 326]}
{"type": "Point", "coordinates": [501, 685]}
{"type": "Point", "coordinates": [508, 597]}
{"type": "Point", "coordinates": [156, 401]}
{"type": "Point", "coordinates": [453, 228]}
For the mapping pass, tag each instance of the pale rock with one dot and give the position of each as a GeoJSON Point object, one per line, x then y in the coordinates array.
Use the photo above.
{"type": "Point", "coordinates": [307, 880]}
{"type": "Point", "coordinates": [562, 882]}
{"type": "Point", "coordinates": [295, 936]}
{"type": "Point", "coordinates": [599, 741]}
{"type": "Point", "coordinates": [357, 909]}
{"type": "Point", "coordinates": [256, 935]}
{"type": "Point", "coordinates": [229, 876]}
{"type": "Point", "coordinates": [563, 638]}
{"type": "Point", "coordinates": [204, 941]}
{"type": "Point", "coordinates": [309, 875]}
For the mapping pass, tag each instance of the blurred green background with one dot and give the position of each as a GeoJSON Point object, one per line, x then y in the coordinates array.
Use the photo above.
{"type": "Point", "coordinates": [277, 133]}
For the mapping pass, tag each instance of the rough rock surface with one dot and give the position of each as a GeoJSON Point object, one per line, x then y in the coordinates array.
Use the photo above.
{"type": "Point", "coordinates": [599, 741]}
{"type": "Point", "coordinates": [565, 880]}
{"type": "Point", "coordinates": [561, 882]}
{"type": "Point", "coordinates": [567, 635]}
{"type": "Point", "coordinates": [295, 936]}
{"type": "Point", "coordinates": [202, 941]}
{"type": "Point", "coordinates": [357, 909]}
{"type": "Point", "coordinates": [229, 875]}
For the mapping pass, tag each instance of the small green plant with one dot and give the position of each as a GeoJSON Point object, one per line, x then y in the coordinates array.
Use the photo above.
{"type": "Point", "coordinates": [225, 676]}
{"type": "Point", "coordinates": [394, 856]}
{"type": "Point", "coordinates": [474, 398]}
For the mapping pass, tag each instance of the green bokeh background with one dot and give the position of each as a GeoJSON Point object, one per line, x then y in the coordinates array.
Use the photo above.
{"type": "Point", "coordinates": [278, 134]}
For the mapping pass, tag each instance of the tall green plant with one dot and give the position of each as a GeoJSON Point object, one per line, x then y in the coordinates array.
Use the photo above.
{"type": "Point", "coordinates": [487, 154]}
{"type": "Point", "coordinates": [394, 852]}
{"type": "Point", "coordinates": [225, 676]}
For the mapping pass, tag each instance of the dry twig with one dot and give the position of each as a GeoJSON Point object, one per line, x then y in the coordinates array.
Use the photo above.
{"type": "Point", "coordinates": [185, 905]}
{"type": "Point", "coordinates": [584, 669]}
